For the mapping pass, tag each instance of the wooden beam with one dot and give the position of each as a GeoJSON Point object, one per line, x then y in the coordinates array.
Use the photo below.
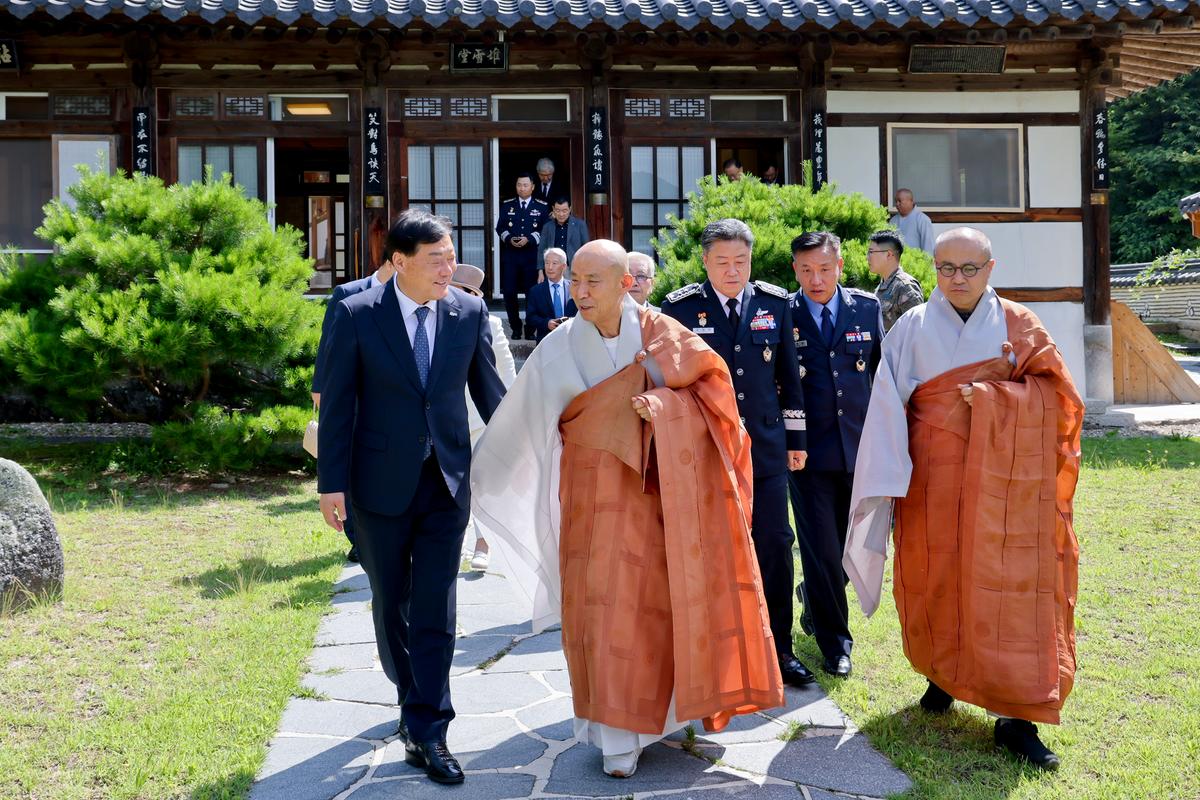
{"type": "Point", "coordinates": [1029, 215]}
{"type": "Point", "coordinates": [1062, 294]}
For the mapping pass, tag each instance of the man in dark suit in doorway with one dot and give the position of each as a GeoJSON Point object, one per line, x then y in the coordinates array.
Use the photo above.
{"type": "Point", "coordinates": [394, 438]}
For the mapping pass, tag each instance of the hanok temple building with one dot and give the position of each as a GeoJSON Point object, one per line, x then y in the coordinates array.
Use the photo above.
{"type": "Point", "coordinates": [341, 113]}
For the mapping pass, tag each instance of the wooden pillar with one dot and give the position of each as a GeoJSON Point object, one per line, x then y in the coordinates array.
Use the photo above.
{"type": "Point", "coordinates": [140, 51]}
{"type": "Point", "coordinates": [1097, 332]}
{"type": "Point", "coordinates": [814, 67]}
{"type": "Point", "coordinates": [600, 204]}
{"type": "Point", "coordinates": [374, 61]}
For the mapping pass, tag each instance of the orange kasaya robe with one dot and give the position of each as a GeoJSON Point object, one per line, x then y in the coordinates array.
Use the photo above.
{"type": "Point", "coordinates": [986, 570]}
{"type": "Point", "coordinates": [661, 592]}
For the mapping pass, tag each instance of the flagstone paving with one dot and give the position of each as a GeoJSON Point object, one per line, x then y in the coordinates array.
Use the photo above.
{"type": "Point", "coordinates": [513, 732]}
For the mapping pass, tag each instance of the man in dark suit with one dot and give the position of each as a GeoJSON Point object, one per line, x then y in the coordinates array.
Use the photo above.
{"type": "Point", "coordinates": [549, 303]}
{"type": "Point", "coordinates": [747, 324]}
{"type": "Point", "coordinates": [339, 293]}
{"type": "Point", "coordinates": [546, 189]}
{"type": "Point", "coordinates": [563, 231]}
{"type": "Point", "coordinates": [394, 438]}
{"type": "Point", "coordinates": [519, 226]}
{"type": "Point", "coordinates": [837, 337]}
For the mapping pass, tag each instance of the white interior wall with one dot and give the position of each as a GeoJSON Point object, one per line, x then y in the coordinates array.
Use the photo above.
{"type": "Point", "coordinates": [849, 102]}
{"type": "Point", "coordinates": [855, 160]}
{"type": "Point", "coordinates": [1054, 167]}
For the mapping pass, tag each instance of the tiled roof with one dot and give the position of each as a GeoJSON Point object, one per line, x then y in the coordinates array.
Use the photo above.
{"type": "Point", "coordinates": [1125, 275]}
{"type": "Point", "coordinates": [1190, 204]}
{"type": "Point", "coordinates": [757, 14]}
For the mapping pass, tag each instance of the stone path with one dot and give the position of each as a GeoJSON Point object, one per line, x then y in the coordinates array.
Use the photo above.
{"type": "Point", "coordinates": [513, 729]}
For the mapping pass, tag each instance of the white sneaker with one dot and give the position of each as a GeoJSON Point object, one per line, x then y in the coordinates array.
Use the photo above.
{"type": "Point", "coordinates": [622, 765]}
{"type": "Point", "coordinates": [480, 561]}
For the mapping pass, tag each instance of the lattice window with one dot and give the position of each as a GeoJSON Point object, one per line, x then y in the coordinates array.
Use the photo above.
{"type": "Point", "coordinates": [82, 105]}
{"type": "Point", "coordinates": [195, 106]}
{"type": "Point", "coordinates": [424, 107]}
{"type": "Point", "coordinates": [643, 107]}
{"type": "Point", "coordinates": [469, 107]}
{"type": "Point", "coordinates": [242, 106]}
{"type": "Point", "coordinates": [688, 107]}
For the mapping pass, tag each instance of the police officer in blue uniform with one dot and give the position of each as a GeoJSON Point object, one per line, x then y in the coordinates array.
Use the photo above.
{"type": "Point", "coordinates": [837, 339]}
{"type": "Point", "coordinates": [519, 226]}
{"type": "Point", "coordinates": [750, 326]}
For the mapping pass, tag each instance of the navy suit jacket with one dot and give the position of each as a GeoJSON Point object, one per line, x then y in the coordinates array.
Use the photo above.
{"type": "Point", "coordinates": [338, 294]}
{"type": "Point", "coordinates": [539, 308]}
{"type": "Point", "coordinates": [376, 418]}
{"type": "Point", "coordinates": [836, 391]}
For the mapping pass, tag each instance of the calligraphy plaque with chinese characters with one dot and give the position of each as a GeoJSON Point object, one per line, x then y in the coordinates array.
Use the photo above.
{"type": "Point", "coordinates": [8, 55]}
{"type": "Point", "coordinates": [374, 153]}
{"type": "Point", "coordinates": [143, 141]}
{"type": "Point", "coordinates": [1100, 154]}
{"type": "Point", "coordinates": [597, 144]}
{"type": "Point", "coordinates": [820, 161]}
{"type": "Point", "coordinates": [479, 57]}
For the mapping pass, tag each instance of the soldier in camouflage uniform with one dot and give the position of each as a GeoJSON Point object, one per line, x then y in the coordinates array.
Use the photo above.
{"type": "Point", "coordinates": [897, 291]}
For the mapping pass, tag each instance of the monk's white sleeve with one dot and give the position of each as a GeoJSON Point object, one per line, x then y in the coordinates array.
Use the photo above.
{"type": "Point", "coordinates": [881, 473]}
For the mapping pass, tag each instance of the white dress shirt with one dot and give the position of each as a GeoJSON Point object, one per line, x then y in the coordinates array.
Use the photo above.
{"type": "Point", "coordinates": [408, 307]}
{"type": "Point", "coordinates": [737, 306]}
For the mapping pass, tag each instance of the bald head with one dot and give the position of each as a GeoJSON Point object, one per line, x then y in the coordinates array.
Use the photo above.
{"type": "Point", "coordinates": [965, 238]}
{"type": "Point", "coordinates": [599, 280]}
{"type": "Point", "coordinates": [603, 254]}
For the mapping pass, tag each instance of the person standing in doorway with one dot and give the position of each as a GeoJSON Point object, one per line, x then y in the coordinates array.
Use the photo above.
{"type": "Point", "coordinates": [519, 227]}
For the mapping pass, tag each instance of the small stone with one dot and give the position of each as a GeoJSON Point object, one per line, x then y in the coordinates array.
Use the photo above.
{"type": "Point", "coordinates": [31, 555]}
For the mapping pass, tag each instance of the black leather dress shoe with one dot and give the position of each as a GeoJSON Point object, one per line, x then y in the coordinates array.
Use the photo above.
{"type": "Point", "coordinates": [433, 757]}
{"type": "Point", "coordinates": [352, 556]}
{"type": "Point", "coordinates": [839, 668]}
{"type": "Point", "coordinates": [1020, 738]}
{"type": "Point", "coordinates": [402, 732]}
{"type": "Point", "coordinates": [935, 701]}
{"type": "Point", "coordinates": [795, 673]}
{"type": "Point", "coordinates": [806, 620]}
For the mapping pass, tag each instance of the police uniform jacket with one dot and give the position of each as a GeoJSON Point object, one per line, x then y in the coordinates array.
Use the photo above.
{"type": "Point", "coordinates": [761, 359]}
{"type": "Point", "coordinates": [515, 222]}
{"type": "Point", "coordinates": [837, 379]}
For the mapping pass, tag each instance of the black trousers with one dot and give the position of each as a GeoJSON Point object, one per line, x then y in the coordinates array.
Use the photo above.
{"type": "Point", "coordinates": [821, 504]}
{"type": "Point", "coordinates": [517, 277]}
{"type": "Point", "coordinates": [348, 526]}
{"type": "Point", "coordinates": [773, 539]}
{"type": "Point", "coordinates": [412, 562]}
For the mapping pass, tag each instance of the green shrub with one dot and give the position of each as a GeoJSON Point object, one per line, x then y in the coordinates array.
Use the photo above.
{"type": "Point", "coordinates": [155, 299]}
{"type": "Point", "coordinates": [776, 215]}
{"type": "Point", "coordinates": [220, 441]}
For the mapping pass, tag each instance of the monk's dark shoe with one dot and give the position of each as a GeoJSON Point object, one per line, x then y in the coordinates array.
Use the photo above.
{"type": "Point", "coordinates": [795, 673]}
{"type": "Point", "coordinates": [935, 701]}
{"type": "Point", "coordinates": [433, 757]}
{"type": "Point", "coordinates": [839, 667]}
{"type": "Point", "coordinates": [1020, 738]}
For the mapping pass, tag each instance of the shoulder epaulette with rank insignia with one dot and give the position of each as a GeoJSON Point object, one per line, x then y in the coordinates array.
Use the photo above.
{"type": "Point", "coordinates": [862, 293]}
{"type": "Point", "coordinates": [683, 291]}
{"type": "Point", "coordinates": [771, 288]}
{"type": "Point", "coordinates": [509, 200]}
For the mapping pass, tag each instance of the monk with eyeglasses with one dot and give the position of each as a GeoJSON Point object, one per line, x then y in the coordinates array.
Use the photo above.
{"type": "Point", "coordinates": [971, 443]}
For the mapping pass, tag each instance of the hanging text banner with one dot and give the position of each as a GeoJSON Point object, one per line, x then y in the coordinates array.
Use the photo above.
{"type": "Point", "coordinates": [597, 143]}
{"type": "Point", "coordinates": [374, 153]}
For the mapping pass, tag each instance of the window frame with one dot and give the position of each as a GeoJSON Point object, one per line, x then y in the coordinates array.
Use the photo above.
{"type": "Point", "coordinates": [780, 98]}
{"type": "Point", "coordinates": [4, 246]}
{"type": "Point", "coordinates": [564, 96]}
{"type": "Point", "coordinates": [706, 148]}
{"type": "Point", "coordinates": [458, 201]}
{"type": "Point", "coordinates": [205, 142]}
{"type": "Point", "coordinates": [4, 105]}
{"type": "Point", "coordinates": [1021, 164]}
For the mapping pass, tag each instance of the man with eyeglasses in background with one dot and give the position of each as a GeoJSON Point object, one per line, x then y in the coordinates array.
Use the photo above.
{"type": "Point", "coordinates": [972, 434]}
{"type": "Point", "coordinates": [641, 267]}
{"type": "Point", "coordinates": [897, 291]}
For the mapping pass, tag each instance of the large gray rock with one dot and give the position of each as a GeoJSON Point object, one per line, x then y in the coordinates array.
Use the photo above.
{"type": "Point", "coordinates": [31, 556]}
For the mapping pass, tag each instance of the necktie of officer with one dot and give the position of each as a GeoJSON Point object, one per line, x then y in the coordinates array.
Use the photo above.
{"type": "Point", "coordinates": [827, 326]}
{"type": "Point", "coordinates": [523, 204]}
{"type": "Point", "coordinates": [734, 319]}
{"type": "Point", "coordinates": [557, 299]}
{"type": "Point", "coordinates": [421, 354]}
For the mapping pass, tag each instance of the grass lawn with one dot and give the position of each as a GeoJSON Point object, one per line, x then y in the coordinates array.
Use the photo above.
{"type": "Point", "coordinates": [189, 611]}
{"type": "Point", "coordinates": [1132, 725]}
{"type": "Point", "coordinates": [188, 614]}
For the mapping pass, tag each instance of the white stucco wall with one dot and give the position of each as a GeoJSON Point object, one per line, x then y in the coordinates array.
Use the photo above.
{"type": "Point", "coordinates": [1032, 254]}
{"type": "Point", "coordinates": [855, 160]}
{"type": "Point", "coordinates": [848, 102]}
{"type": "Point", "coordinates": [1054, 167]}
{"type": "Point", "coordinates": [1065, 323]}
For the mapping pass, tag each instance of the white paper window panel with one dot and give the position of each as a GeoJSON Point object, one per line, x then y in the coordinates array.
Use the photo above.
{"type": "Point", "coordinates": [1055, 167]}
{"type": "Point", "coordinates": [641, 166]}
{"type": "Point", "coordinates": [419, 185]}
{"type": "Point", "coordinates": [854, 163]}
{"type": "Point", "coordinates": [445, 173]}
{"type": "Point", "coordinates": [471, 248]}
{"type": "Point", "coordinates": [471, 161]}
{"type": "Point", "coordinates": [245, 168]}
{"type": "Point", "coordinates": [1016, 102]}
{"type": "Point", "coordinates": [191, 168]}
{"type": "Point", "coordinates": [95, 153]}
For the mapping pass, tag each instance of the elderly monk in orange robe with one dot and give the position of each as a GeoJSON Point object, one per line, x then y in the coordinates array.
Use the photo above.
{"type": "Point", "coordinates": [616, 480]}
{"type": "Point", "coordinates": [973, 428]}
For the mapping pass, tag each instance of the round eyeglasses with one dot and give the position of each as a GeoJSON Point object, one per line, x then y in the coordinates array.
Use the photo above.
{"type": "Point", "coordinates": [948, 270]}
